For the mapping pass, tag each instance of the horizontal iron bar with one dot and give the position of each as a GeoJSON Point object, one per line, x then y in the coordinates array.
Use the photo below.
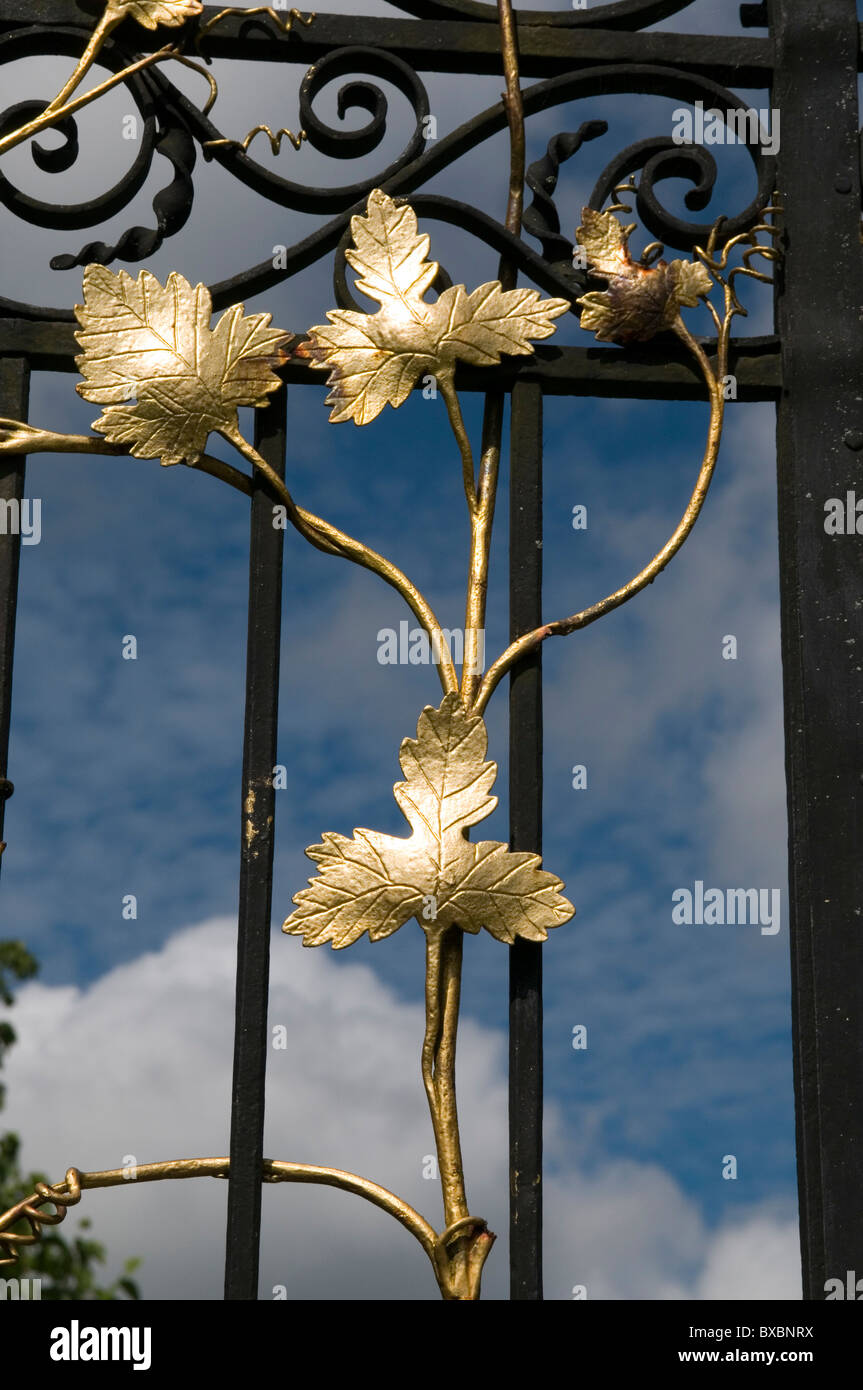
{"type": "Point", "coordinates": [635, 373]}
{"type": "Point", "coordinates": [445, 45]}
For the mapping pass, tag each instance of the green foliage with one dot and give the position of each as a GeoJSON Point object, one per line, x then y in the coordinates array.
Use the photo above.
{"type": "Point", "coordinates": [66, 1265]}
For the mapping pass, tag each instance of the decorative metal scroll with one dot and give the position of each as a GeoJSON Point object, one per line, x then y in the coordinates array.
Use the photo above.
{"type": "Point", "coordinates": [177, 129]}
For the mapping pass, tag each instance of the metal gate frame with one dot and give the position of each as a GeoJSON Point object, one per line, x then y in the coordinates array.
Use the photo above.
{"type": "Point", "coordinates": [812, 367]}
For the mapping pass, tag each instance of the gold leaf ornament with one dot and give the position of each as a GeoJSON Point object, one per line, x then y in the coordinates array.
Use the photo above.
{"type": "Point", "coordinates": [152, 344]}
{"type": "Point", "coordinates": [375, 883]}
{"type": "Point", "coordinates": [376, 359]}
{"type": "Point", "coordinates": [641, 300]}
{"type": "Point", "coordinates": [170, 14]}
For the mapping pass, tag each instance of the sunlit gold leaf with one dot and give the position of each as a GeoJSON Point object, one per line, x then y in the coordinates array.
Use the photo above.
{"type": "Point", "coordinates": [376, 359]}
{"type": "Point", "coordinates": [153, 343]}
{"type": "Point", "coordinates": [484, 326]}
{"type": "Point", "coordinates": [641, 300]}
{"type": "Point", "coordinates": [376, 883]}
{"type": "Point", "coordinates": [389, 252]}
{"type": "Point", "coordinates": [605, 241]}
{"type": "Point", "coordinates": [153, 13]}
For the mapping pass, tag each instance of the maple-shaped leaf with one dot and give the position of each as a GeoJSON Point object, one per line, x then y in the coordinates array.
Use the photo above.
{"type": "Point", "coordinates": [375, 883]}
{"type": "Point", "coordinates": [153, 13]}
{"type": "Point", "coordinates": [641, 300]}
{"type": "Point", "coordinates": [153, 344]}
{"type": "Point", "coordinates": [376, 359]}
{"type": "Point", "coordinates": [605, 242]}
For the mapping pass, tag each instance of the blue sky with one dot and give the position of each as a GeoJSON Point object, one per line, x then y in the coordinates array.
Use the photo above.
{"type": "Point", "coordinates": [127, 773]}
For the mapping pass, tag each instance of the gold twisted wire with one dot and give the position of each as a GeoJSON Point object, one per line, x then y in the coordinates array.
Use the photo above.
{"type": "Point", "coordinates": [30, 1209]}
{"type": "Point", "coordinates": [717, 264]}
{"type": "Point", "coordinates": [629, 187]}
{"type": "Point", "coordinates": [275, 140]}
{"type": "Point", "coordinates": [652, 252]}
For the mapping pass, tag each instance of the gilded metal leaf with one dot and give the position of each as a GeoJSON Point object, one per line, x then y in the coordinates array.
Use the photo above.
{"type": "Point", "coordinates": [154, 343]}
{"type": "Point", "coordinates": [153, 13]}
{"type": "Point", "coordinates": [693, 282]}
{"type": "Point", "coordinates": [641, 300]}
{"type": "Point", "coordinates": [376, 359]}
{"type": "Point", "coordinates": [605, 242]}
{"type": "Point", "coordinates": [376, 883]}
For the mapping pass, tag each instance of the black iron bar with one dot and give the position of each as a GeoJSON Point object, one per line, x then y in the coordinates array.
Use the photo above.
{"type": "Point", "coordinates": [647, 373]}
{"type": "Point", "coordinates": [256, 866]}
{"type": "Point", "coordinates": [525, 816]}
{"type": "Point", "coordinates": [442, 45]}
{"type": "Point", "coordinates": [820, 438]}
{"type": "Point", "coordinates": [14, 393]}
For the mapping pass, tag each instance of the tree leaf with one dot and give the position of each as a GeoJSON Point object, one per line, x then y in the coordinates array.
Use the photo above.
{"type": "Point", "coordinates": [152, 13]}
{"type": "Point", "coordinates": [641, 300]}
{"type": "Point", "coordinates": [376, 359]}
{"type": "Point", "coordinates": [376, 882]}
{"type": "Point", "coordinates": [154, 343]}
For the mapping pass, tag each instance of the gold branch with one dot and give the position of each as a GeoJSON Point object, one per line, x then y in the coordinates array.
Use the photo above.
{"type": "Point", "coordinates": [68, 1193]}
{"type": "Point", "coordinates": [523, 646]}
{"type": "Point", "coordinates": [330, 539]}
{"type": "Point", "coordinates": [457, 1254]}
{"type": "Point", "coordinates": [482, 514]}
{"type": "Point", "coordinates": [715, 264]}
{"type": "Point", "coordinates": [285, 25]}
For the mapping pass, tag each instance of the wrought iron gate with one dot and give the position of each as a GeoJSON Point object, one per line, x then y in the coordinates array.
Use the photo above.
{"type": "Point", "coordinates": [812, 367]}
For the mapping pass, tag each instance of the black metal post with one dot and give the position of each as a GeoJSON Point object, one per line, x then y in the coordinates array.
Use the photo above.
{"type": "Point", "coordinates": [14, 394]}
{"type": "Point", "coordinates": [820, 439]}
{"type": "Point", "coordinates": [256, 866]}
{"type": "Point", "coordinates": [525, 814]}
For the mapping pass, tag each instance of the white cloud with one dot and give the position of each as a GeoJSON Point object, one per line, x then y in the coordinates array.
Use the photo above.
{"type": "Point", "coordinates": [744, 1260]}
{"type": "Point", "coordinates": [138, 1064]}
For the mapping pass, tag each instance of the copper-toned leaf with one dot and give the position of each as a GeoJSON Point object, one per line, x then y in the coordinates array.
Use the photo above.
{"type": "Point", "coordinates": [375, 882]}
{"type": "Point", "coordinates": [153, 343]}
{"type": "Point", "coordinates": [633, 308]}
{"type": "Point", "coordinates": [376, 359]}
{"type": "Point", "coordinates": [641, 300]}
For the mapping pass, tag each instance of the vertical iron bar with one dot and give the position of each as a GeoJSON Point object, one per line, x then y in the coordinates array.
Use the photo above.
{"type": "Point", "coordinates": [525, 813]}
{"type": "Point", "coordinates": [256, 866]}
{"type": "Point", "coordinates": [14, 399]}
{"type": "Point", "coordinates": [820, 435]}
